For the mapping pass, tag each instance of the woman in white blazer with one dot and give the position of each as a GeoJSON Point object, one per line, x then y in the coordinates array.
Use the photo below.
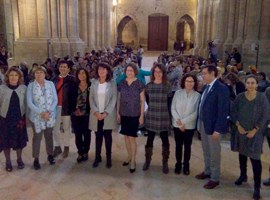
{"type": "Point", "coordinates": [103, 95]}
{"type": "Point", "coordinates": [184, 112]}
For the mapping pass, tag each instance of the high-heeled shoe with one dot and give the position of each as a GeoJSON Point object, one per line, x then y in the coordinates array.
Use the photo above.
{"type": "Point", "coordinates": [20, 164]}
{"type": "Point", "coordinates": [126, 163]}
{"type": "Point", "coordinates": [132, 170]}
{"type": "Point", "coordinates": [9, 167]}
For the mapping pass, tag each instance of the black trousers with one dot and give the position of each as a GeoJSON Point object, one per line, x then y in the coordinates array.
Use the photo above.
{"type": "Point", "coordinates": [151, 137]}
{"type": "Point", "coordinates": [180, 139]}
{"type": "Point", "coordinates": [256, 167]}
{"type": "Point", "coordinates": [82, 133]}
{"type": "Point", "coordinates": [268, 140]}
{"type": "Point", "coordinates": [107, 134]}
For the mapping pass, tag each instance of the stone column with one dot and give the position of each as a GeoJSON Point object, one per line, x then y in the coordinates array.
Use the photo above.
{"type": "Point", "coordinates": [54, 19]}
{"type": "Point", "coordinates": [98, 25]}
{"type": "Point", "coordinates": [27, 18]}
{"type": "Point", "coordinates": [199, 29]}
{"type": "Point", "coordinates": [91, 24]}
{"type": "Point", "coordinates": [265, 37]}
{"type": "Point", "coordinates": [55, 27]}
{"type": "Point", "coordinates": [231, 22]}
{"type": "Point", "coordinates": [252, 32]}
{"type": "Point", "coordinates": [76, 44]}
{"type": "Point", "coordinates": [73, 19]}
{"type": "Point", "coordinates": [103, 19]}
{"type": "Point", "coordinates": [65, 47]}
{"type": "Point", "coordinates": [221, 25]}
{"type": "Point", "coordinates": [241, 23]}
{"type": "Point", "coordinates": [108, 24]}
{"type": "Point", "coordinates": [63, 19]}
{"type": "Point", "coordinates": [265, 22]}
{"type": "Point", "coordinates": [206, 28]}
{"type": "Point", "coordinates": [83, 20]}
{"type": "Point", "coordinates": [253, 21]}
{"type": "Point", "coordinates": [43, 19]}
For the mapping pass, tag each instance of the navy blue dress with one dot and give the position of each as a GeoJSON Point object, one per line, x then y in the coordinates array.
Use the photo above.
{"type": "Point", "coordinates": [13, 132]}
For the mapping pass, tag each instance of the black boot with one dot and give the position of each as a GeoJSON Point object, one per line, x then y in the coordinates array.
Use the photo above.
{"type": "Point", "coordinates": [178, 168]}
{"type": "Point", "coordinates": [98, 159]}
{"type": "Point", "coordinates": [243, 170]}
{"type": "Point", "coordinates": [165, 158]}
{"type": "Point", "coordinates": [241, 180]}
{"type": "Point", "coordinates": [57, 151]}
{"type": "Point", "coordinates": [148, 157]}
{"type": "Point", "coordinates": [186, 169]}
{"type": "Point", "coordinates": [51, 160]}
{"type": "Point", "coordinates": [36, 164]}
{"type": "Point", "coordinates": [109, 161]}
{"type": "Point", "coordinates": [20, 164]}
{"type": "Point", "coordinates": [256, 194]}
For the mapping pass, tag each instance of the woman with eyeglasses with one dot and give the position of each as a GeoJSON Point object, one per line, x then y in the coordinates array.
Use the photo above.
{"type": "Point", "coordinates": [157, 119]}
{"type": "Point", "coordinates": [184, 111]}
{"type": "Point", "coordinates": [130, 111]}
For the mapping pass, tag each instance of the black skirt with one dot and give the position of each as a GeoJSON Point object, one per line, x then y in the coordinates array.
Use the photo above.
{"type": "Point", "coordinates": [129, 126]}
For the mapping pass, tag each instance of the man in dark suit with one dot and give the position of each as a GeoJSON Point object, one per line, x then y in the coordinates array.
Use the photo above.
{"type": "Point", "coordinates": [213, 112]}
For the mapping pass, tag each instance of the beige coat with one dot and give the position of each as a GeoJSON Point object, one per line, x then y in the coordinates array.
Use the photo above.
{"type": "Point", "coordinates": [5, 95]}
{"type": "Point", "coordinates": [110, 106]}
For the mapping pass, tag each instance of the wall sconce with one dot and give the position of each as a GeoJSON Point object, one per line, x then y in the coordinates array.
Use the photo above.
{"type": "Point", "coordinates": [114, 2]}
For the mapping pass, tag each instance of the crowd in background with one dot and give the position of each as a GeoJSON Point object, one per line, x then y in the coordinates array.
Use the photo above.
{"type": "Point", "coordinates": [97, 90]}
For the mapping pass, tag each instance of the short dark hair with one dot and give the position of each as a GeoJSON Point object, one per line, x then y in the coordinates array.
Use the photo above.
{"type": "Point", "coordinates": [133, 66]}
{"type": "Point", "coordinates": [252, 76]}
{"type": "Point", "coordinates": [210, 69]}
{"type": "Point", "coordinates": [163, 69]}
{"type": "Point", "coordinates": [78, 71]}
{"type": "Point", "coordinates": [63, 62]}
{"type": "Point", "coordinates": [106, 66]}
{"type": "Point", "coordinates": [183, 80]}
{"type": "Point", "coordinates": [118, 61]}
{"type": "Point", "coordinates": [262, 74]}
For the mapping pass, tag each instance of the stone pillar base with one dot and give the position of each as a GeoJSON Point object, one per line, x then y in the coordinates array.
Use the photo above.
{"type": "Point", "coordinates": [76, 45]}
{"type": "Point", "coordinates": [30, 50]}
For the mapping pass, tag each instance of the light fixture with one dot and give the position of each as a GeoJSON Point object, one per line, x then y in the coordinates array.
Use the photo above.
{"type": "Point", "coordinates": [114, 2]}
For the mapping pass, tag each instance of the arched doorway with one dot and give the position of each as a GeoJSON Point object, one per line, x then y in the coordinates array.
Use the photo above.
{"type": "Point", "coordinates": [127, 32]}
{"type": "Point", "coordinates": [158, 26]}
{"type": "Point", "coordinates": [185, 31]}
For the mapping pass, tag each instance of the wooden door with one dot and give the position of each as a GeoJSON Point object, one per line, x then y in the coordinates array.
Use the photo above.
{"type": "Point", "coordinates": [158, 26]}
{"type": "Point", "coordinates": [180, 31]}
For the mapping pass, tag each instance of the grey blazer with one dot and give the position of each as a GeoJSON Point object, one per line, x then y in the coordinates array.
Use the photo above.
{"type": "Point", "coordinates": [110, 106]}
{"type": "Point", "coordinates": [5, 95]}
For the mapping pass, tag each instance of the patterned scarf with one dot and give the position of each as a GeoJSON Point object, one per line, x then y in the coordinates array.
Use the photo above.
{"type": "Point", "coordinates": [43, 99]}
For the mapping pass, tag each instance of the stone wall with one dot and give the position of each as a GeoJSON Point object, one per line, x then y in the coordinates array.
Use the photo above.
{"type": "Point", "coordinates": [235, 23]}
{"type": "Point", "coordinates": [2, 24]}
{"type": "Point", "coordinates": [140, 10]}
{"type": "Point", "coordinates": [35, 29]}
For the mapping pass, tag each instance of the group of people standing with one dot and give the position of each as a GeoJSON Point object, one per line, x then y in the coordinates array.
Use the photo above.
{"type": "Point", "coordinates": [66, 102]}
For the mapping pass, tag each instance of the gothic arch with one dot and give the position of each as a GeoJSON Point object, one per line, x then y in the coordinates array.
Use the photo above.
{"type": "Point", "coordinates": [185, 30]}
{"type": "Point", "coordinates": [127, 32]}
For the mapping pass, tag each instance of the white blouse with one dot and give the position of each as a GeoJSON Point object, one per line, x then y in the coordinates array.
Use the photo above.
{"type": "Point", "coordinates": [101, 96]}
{"type": "Point", "coordinates": [185, 107]}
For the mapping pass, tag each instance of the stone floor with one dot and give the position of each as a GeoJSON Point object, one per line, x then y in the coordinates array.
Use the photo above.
{"type": "Point", "coordinates": [67, 180]}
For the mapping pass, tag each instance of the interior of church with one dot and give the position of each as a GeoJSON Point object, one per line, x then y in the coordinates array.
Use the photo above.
{"type": "Point", "coordinates": [49, 27]}
{"type": "Point", "coordinates": [33, 30]}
